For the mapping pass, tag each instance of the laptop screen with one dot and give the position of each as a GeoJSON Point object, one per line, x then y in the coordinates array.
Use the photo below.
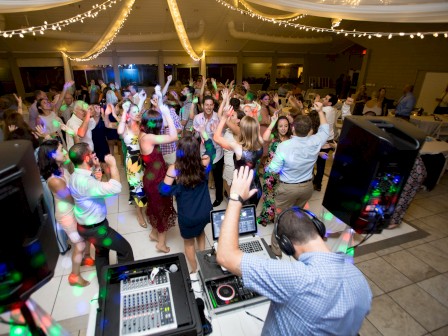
{"type": "Point", "coordinates": [247, 223]}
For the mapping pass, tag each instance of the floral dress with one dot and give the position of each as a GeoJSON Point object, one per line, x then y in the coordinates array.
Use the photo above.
{"type": "Point", "coordinates": [134, 169]}
{"type": "Point", "coordinates": [271, 181]}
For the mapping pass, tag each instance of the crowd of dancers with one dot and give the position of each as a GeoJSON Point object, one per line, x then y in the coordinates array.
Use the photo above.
{"type": "Point", "coordinates": [175, 145]}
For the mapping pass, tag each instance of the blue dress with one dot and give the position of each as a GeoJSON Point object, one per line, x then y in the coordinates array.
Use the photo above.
{"type": "Point", "coordinates": [193, 204]}
{"type": "Point", "coordinates": [251, 158]}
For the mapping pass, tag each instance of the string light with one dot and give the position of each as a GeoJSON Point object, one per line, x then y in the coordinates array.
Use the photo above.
{"type": "Point", "coordinates": [90, 14]}
{"type": "Point", "coordinates": [180, 29]}
{"type": "Point", "coordinates": [104, 42]}
{"type": "Point", "coordinates": [284, 17]}
{"type": "Point", "coordinates": [352, 33]}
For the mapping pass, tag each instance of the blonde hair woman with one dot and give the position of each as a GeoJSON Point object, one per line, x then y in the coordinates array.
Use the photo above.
{"type": "Point", "coordinates": [248, 148]}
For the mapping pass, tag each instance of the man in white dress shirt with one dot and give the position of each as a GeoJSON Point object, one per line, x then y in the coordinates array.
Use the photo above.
{"type": "Point", "coordinates": [210, 119]}
{"type": "Point", "coordinates": [90, 206]}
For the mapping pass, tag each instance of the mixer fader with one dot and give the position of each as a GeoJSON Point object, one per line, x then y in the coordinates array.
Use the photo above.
{"type": "Point", "coordinates": [146, 305]}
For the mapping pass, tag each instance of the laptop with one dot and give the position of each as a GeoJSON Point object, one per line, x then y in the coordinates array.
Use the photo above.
{"type": "Point", "coordinates": [248, 240]}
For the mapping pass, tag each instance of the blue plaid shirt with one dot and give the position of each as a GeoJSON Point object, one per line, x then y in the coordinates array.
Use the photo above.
{"type": "Point", "coordinates": [320, 294]}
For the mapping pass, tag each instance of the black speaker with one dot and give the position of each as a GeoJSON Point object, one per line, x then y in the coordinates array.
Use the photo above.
{"type": "Point", "coordinates": [28, 248]}
{"type": "Point", "coordinates": [284, 242]}
{"type": "Point", "coordinates": [373, 160]}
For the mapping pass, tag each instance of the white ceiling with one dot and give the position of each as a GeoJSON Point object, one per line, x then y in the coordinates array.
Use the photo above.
{"type": "Point", "coordinates": [150, 28]}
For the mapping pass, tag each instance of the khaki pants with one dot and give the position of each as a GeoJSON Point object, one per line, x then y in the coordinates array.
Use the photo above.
{"type": "Point", "coordinates": [289, 195]}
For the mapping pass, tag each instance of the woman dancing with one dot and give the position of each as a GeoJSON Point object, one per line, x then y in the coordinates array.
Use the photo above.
{"type": "Point", "coordinates": [248, 148]}
{"type": "Point", "coordinates": [187, 179]}
{"type": "Point", "coordinates": [161, 213]}
{"type": "Point", "coordinates": [278, 131]}
{"type": "Point", "coordinates": [129, 130]}
{"type": "Point", "coordinates": [51, 158]}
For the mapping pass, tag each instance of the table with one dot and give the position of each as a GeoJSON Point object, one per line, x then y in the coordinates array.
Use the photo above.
{"type": "Point", "coordinates": [427, 123]}
{"type": "Point", "coordinates": [436, 147]}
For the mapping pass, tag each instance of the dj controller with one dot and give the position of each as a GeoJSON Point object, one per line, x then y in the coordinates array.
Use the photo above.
{"type": "Point", "coordinates": [229, 293]}
{"type": "Point", "coordinates": [224, 291]}
{"type": "Point", "coordinates": [147, 297]}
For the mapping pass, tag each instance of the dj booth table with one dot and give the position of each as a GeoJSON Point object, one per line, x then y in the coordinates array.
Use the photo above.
{"type": "Point", "coordinates": [243, 318]}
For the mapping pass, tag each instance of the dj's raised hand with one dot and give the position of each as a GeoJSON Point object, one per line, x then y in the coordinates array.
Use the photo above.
{"type": "Point", "coordinates": [242, 179]}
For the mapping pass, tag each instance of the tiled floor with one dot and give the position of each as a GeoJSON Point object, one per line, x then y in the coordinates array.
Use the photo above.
{"type": "Point", "coordinates": [409, 280]}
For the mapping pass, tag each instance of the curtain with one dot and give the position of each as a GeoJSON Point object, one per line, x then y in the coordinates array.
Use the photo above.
{"type": "Point", "coordinates": [19, 6]}
{"type": "Point", "coordinates": [430, 11]}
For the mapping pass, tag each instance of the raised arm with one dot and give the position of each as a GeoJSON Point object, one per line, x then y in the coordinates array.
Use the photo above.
{"type": "Point", "coordinates": [82, 130]}
{"type": "Point", "coordinates": [346, 108]}
{"type": "Point", "coordinates": [217, 137]}
{"type": "Point", "coordinates": [67, 85]}
{"type": "Point", "coordinates": [142, 98]}
{"type": "Point", "coordinates": [318, 107]}
{"type": "Point", "coordinates": [121, 130]}
{"type": "Point", "coordinates": [267, 134]}
{"type": "Point", "coordinates": [151, 139]}
{"type": "Point", "coordinates": [19, 103]}
{"type": "Point", "coordinates": [167, 85]}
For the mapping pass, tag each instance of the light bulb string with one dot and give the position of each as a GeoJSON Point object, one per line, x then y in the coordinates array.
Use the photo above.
{"type": "Point", "coordinates": [90, 14]}
{"type": "Point", "coordinates": [353, 33]}
{"type": "Point", "coordinates": [103, 46]}
{"type": "Point", "coordinates": [283, 17]}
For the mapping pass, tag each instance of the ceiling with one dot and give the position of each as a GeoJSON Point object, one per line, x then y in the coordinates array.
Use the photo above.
{"type": "Point", "coordinates": [210, 26]}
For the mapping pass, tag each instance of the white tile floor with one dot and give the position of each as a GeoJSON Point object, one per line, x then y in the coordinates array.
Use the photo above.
{"type": "Point", "coordinates": [65, 302]}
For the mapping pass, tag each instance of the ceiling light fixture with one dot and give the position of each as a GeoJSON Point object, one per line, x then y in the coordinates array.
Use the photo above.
{"type": "Point", "coordinates": [181, 33]}
{"type": "Point", "coordinates": [106, 40]}
{"type": "Point", "coordinates": [90, 14]}
{"type": "Point", "coordinates": [350, 33]}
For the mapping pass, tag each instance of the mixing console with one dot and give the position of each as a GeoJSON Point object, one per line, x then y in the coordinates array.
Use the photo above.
{"type": "Point", "coordinates": [146, 305]}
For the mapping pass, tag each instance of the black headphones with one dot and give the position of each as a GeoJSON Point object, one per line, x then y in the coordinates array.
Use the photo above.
{"type": "Point", "coordinates": [284, 242]}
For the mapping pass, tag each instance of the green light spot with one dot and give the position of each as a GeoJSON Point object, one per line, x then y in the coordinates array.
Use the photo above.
{"type": "Point", "coordinates": [328, 216]}
{"type": "Point", "coordinates": [77, 291]}
{"type": "Point", "coordinates": [107, 241]}
{"type": "Point", "coordinates": [62, 207]}
{"type": "Point", "coordinates": [55, 330]}
{"type": "Point", "coordinates": [366, 199]}
{"type": "Point", "coordinates": [102, 230]}
{"type": "Point", "coordinates": [376, 193]}
{"type": "Point", "coordinates": [16, 276]}
{"type": "Point", "coordinates": [38, 261]}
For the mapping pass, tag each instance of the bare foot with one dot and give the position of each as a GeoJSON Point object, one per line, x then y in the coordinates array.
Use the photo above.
{"type": "Point", "coordinates": [141, 221]}
{"type": "Point", "coordinates": [77, 280]}
{"type": "Point", "coordinates": [153, 236]}
{"type": "Point", "coordinates": [392, 226]}
{"type": "Point", "coordinates": [164, 249]}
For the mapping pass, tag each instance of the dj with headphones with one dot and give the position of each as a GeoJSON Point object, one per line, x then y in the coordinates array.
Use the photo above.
{"type": "Point", "coordinates": [319, 294]}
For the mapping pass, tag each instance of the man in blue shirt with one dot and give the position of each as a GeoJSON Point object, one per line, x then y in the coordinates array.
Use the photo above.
{"type": "Point", "coordinates": [406, 103]}
{"type": "Point", "coordinates": [319, 294]}
{"type": "Point", "coordinates": [294, 162]}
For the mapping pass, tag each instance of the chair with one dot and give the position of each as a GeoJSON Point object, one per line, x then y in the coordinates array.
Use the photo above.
{"type": "Point", "coordinates": [441, 131]}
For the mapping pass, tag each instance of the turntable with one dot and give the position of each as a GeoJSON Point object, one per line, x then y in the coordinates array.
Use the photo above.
{"type": "Point", "coordinates": [224, 291]}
